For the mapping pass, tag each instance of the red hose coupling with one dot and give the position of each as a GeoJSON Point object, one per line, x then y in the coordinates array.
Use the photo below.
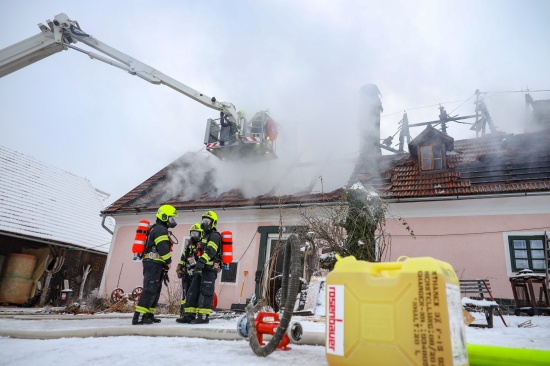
{"type": "Point", "coordinates": [267, 323]}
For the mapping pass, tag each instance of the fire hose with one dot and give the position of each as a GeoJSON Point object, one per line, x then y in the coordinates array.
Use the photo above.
{"type": "Point", "coordinates": [289, 289]}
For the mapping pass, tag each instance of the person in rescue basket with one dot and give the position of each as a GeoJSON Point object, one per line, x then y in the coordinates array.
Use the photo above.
{"type": "Point", "coordinates": [198, 303]}
{"type": "Point", "coordinates": [187, 262]}
{"type": "Point", "coordinates": [156, 263]}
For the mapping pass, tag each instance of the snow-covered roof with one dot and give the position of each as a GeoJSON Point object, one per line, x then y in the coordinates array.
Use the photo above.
{"type": "Point", "coordinates": [44, 203]}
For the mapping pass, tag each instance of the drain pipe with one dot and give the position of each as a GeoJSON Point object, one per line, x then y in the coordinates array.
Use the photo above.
{"type": "Point", "coordinates": [105, 226]}
{"type": "Point", "coordinates": [289, 286]}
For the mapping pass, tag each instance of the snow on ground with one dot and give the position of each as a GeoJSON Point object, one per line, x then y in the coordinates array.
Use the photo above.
{"type": "Point", "coordinates": [141, 350]}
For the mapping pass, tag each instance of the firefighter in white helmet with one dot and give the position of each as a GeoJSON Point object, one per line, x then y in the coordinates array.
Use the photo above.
{"type": "Point", "coordinates": [156, 263]}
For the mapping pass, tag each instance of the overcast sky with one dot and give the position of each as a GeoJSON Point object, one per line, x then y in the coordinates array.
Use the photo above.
{"type": "Point", "coordinates": [305, 61]}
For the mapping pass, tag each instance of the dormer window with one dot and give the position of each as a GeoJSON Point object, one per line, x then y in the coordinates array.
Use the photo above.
{"type": "Point", "coordinates": [430, 149]}
{"type": "Point", "coordinates": [431, 157]}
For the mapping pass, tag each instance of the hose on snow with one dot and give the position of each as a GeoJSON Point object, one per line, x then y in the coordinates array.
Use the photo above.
{"type": "Point", "coordinates": [289, 286]}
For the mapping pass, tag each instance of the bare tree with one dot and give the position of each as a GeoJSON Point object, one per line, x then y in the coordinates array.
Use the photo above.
{"type": "Point", "coordinates": [325, 226]}
{"type": "Point", "coordinates": [356, 226]}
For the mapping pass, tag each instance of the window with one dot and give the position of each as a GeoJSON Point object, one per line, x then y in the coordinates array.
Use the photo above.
{"type": "Point", "coordinates": [230, 275]}
{"type": "Point", "coordinates": [431, 157]}
{"type": "Point", "coordinates": [96, 265]}
{"type": "Point", "coordinates": [527, 252]}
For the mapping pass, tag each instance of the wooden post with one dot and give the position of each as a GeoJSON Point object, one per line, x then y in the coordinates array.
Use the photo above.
{"type": "Point", "coordinates": [492, 298]}
{"type": "Point", "coordinates": [85, 273]}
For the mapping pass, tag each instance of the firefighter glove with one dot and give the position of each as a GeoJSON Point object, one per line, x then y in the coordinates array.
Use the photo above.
{"type": "Point", "coordinates": [199, 267]}
{"type": "Point", "coordinates": [165, 278]}
{"type": "Point", "coordinates": [179, 271]}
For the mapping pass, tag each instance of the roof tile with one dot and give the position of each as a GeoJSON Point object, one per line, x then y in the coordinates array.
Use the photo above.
{"type": "Point", "coordinates": [497, 163]}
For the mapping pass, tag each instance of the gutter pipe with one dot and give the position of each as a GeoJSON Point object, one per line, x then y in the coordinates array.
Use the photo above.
{"type": "Point", "coordinates": [292, 205]}
{"type": "Point", "coordinates": [390, 200]}
{"type": "Point", "coordinates": [105, 226]}
{"type": "Point", "coordinates": [465, 197]}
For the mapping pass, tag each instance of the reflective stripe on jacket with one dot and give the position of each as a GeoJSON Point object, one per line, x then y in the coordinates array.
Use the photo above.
{"type": "Point", "coordinates": [190, 251]}
{"type": "Point", "coordinates": [212, 243]}
{"type": "Point", "coordinates": [158, 238]}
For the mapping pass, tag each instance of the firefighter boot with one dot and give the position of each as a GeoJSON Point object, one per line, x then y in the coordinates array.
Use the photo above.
{"type": "Point", "coordinates": [140, 318]}
{"type": "Point", "coordinates": [137, 319]}
{"type": "Point", "coordinates": [151, 316]}
{"type": "Point", "coordinates": [182, 312]}
{"type": "Point", "coordinates": [201, 319]}
{"type": "Point", "coordinates": [186, 319]}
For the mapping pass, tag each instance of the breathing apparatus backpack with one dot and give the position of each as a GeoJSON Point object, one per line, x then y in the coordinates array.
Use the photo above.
{"type": "Point", "coordinates": [140, 239]}
{"type": "Point", "coordinates": [227, 248]}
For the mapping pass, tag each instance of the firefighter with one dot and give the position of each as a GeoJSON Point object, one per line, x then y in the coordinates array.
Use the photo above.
{"type": "Point", "coordinates": [187, 262]}
{"type": "Point", "coordinates": [156, 263]}
{"type": "Point", "coordinates": [199, 299]}
{"type": "Point", "coordinates": [229, 136]}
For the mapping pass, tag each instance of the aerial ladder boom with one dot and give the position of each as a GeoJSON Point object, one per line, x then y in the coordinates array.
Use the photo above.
{"type": "Point", "coordinates": [27, 52]}
{"type": "Point", "coordinates": [232, 133]}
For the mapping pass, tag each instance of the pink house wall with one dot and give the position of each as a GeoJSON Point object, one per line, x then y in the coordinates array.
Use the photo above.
{"type": "Point", "coordinates": [122, 271]}
{"type": "Point", "coordinates": [470, 234]}
{"type": "Point", "coordinates": [476, 246]}
{"type": "Point", "coordinates": [246, 241]}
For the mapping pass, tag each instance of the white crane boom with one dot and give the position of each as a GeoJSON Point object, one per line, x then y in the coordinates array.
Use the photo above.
{"type": "Point", "coordinates": [233, 133]}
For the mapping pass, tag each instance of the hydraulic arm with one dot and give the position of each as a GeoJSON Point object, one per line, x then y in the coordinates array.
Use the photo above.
{"type": "Point", "coordinates": [230, 138]}
{"type": "Point", "coordinates": [63, 33]}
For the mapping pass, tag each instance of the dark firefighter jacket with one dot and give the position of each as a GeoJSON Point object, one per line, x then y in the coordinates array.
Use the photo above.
{"type": "Point", "coordinates": [212, 244]}
{"type": "Point", "coordinates": [191, 250]}
{"type": "Point", "coordinates": [158, 241]}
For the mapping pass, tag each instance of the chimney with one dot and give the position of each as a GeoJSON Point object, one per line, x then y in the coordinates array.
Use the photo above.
{"type": "Point", "coordinates": [370, 107]}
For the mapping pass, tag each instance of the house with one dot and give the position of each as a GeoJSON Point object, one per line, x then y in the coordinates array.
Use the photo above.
{"type": "Point", "coordinates": [253, 221]}
{"type": "Point", "coordinates": [480, 204]}
{"type": "Point", "coordinates": [49, 220]}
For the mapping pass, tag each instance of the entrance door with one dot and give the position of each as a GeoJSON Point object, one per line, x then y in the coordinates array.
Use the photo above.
{"type": "Point", "coordinates": [272, 279]}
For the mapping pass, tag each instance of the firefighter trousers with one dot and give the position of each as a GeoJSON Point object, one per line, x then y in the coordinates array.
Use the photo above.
{"type": "Point", "coordinates": [200, 295]}
{"type": "Point", "coordinates": [186, 280]}
{"type": "Point", "coordinates": [152, 285]}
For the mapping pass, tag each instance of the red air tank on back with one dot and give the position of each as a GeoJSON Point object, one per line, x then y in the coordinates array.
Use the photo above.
{"type": "Point", "coordinates": [227, 248]}
{"type": "Point", "coordinates": [141, 237]}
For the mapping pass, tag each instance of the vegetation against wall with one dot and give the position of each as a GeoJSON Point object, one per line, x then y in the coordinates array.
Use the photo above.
{"type": "Point", "coordinates": [356, 226]}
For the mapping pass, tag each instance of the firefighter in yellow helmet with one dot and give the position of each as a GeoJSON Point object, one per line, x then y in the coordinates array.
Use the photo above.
{"type": "Point", "coordinates": [200, 296]}
{"type": "Point", "coordinates": [188, 260]}
{"type": "Point", "coordinates": [156, 262]}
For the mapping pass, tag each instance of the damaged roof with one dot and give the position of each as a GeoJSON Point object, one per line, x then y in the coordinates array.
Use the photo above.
{"type": "Point", "coordinates": [42, 203]}
{"type": "Point", "coordinates": [153, 192]}
{"type": "Point", "coordinates": [492, 164]}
